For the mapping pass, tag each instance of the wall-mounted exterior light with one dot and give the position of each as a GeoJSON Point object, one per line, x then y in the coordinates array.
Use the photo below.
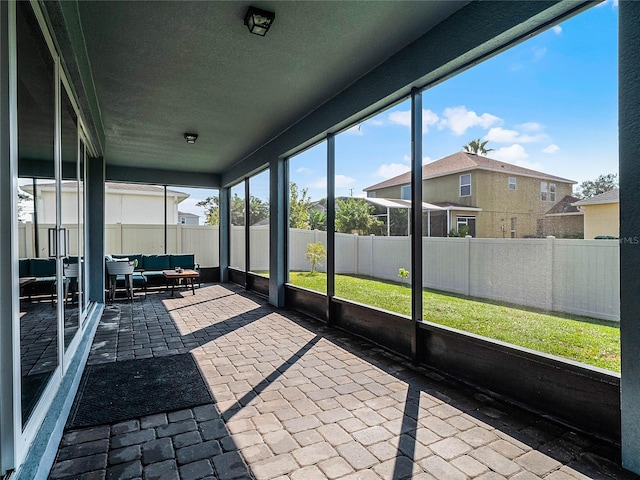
{"type": "Point", "coordinates": [191, 137]}
{"type": "Point", "coordinates": [259, 21]}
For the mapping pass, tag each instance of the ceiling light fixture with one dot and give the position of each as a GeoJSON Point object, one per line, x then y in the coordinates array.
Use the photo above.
{"type": "Point", "coordinates": [191, 137]}
{"type": "Point", "coordinates": [259, 21]}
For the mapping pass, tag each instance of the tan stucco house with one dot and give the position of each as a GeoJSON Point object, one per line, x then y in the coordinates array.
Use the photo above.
{"type": "Point", "coordinates": [601, 214]}
{"type": "Point", "coordinates": [494, 199]}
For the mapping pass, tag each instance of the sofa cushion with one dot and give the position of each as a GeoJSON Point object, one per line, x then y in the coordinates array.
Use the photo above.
{"type": "Point", "coordinates": [182, 260]}
{"type": "Point", "coordinates": [24, 267]}
{"type": "Point", "coordinates": [43, 267]}
{"type": "Point", "coordinates": [138, 279]}
{"type": "Point", "coordinates": [156, 262]}
{"type": "Point", "coordinates": [132, 258]}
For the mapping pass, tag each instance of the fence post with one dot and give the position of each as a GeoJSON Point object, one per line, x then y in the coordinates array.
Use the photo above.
{"type": "Point", "coordinates": [550, 243]}
{"type": "Point", "coordinates": [179, 238]}
{"type": "Point", "coordinates": [29, 240]}
{"type": "Point", "coordinates": [467, 252]}
{"type": "Point", "coordinates": [118, 237]}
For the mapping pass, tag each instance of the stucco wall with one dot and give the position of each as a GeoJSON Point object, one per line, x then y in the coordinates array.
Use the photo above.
{"type": "Point", "coordinates": [602, 220]}
{"type": "Point", "coordinates": [119, 208]}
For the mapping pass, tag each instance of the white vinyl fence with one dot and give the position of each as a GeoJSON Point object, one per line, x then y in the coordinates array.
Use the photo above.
{"type": "Point", "coordinates": [573, 276]}
{"type": "Point", "coordinates": [201, 240]}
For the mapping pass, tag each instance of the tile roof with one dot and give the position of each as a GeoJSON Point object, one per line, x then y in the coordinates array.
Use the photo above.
{"type": "Point", "coordinates": [566, 205]}
{"type": "Point", "coordinates": [612, 196]}
{"type": "Point", "coordinates": [461, 162]}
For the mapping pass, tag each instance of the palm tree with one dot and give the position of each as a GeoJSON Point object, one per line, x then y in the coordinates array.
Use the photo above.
{"type": "Point", "coordinates": [477, 147]}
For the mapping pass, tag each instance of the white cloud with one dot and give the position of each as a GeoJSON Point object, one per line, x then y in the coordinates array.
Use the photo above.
{"type": "Point", "coordinates": [517, 155]}
{"type": "Point", "coordinates": [459, 119]}
{"type": "Point", "coordinates": [319, 183]}
{"type": "Point", "coordinates": [377, 122]}
{"type": "Point", "coordinates": [426, 160]}
{"type": "Point", "coordinates": [428, 119]}
{"type": "Point", "coordinates": [553, 148]}
{"type": "Point", "coordinates": [390, 170]}
{"type": "Point", "coordinates": [403, 117]}
{"type": "Point", "coordinates": [341, 182]}
{"type": "Point", "coordinates": [557, 29]}
{"type": "Point", "coordinates": [502, 135]}
{"type": "Point", "coordinates": [344, 181]}
{"type": "Point", "coordinates": [538, 53]}
{"type": "Point", "coordinates": [514, 153]}
{"type": "Point", "coordinates": [304, 170]}
{"type": "Point", "coordinates": [530, 127]}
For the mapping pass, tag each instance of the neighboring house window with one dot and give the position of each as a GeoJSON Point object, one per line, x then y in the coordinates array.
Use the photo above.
{"type": "Point", "coordinates": [371, 194]}
{"type": "Point", "coordinates": [468, 222]}
{"type": "Point", "coordinates": [405, 192]}
{"type": "Point", "coordinates": [512, 183]}
{"type": "Point", "coordinates": [514, 226]}
{"type": "Point", "coordinates": [183, 220]}
{"type": "Point", "coordinates": [465, 185]}
{"type": "Point", "coordinates": [547, 191]}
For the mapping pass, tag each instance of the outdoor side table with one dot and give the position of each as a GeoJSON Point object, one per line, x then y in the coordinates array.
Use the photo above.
{"type": "Point", "coordinates": [176, 276]}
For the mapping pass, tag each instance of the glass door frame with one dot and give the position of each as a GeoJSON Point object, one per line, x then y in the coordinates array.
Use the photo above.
{"type": "Point", "coordinates": [24, 434]}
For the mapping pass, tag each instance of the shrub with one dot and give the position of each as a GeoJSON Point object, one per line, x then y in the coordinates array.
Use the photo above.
{"type": "Point", "coordinates": [403, 273]}
{"type": "Point", "coordinates": [315, 254]}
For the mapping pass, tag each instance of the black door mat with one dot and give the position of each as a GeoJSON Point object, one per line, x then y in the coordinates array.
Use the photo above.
{"type": "Point", "coordinates": [117, 391]}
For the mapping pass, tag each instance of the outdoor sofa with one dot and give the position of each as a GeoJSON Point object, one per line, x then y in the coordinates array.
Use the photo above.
{"type": "Point", "coordinates": [148, 268]}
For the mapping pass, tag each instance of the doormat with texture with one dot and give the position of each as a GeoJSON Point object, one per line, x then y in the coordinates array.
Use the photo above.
{"type": "Point", "coordinates": [117, 391]}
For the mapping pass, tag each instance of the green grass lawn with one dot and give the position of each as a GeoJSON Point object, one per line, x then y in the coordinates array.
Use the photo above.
{"type": "Point", "coordinates": [583, 339]}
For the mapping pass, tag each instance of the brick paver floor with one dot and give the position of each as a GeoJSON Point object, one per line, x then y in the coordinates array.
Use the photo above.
{"type": "Point", "coordinates": [297, 400]}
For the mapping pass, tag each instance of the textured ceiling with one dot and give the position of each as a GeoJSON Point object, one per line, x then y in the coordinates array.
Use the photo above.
{"type": "Point", "coordinates": [164, 68]}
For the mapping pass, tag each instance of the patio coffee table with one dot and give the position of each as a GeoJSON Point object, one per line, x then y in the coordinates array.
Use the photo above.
{"type": "Point", "coordinates": [177, 275]}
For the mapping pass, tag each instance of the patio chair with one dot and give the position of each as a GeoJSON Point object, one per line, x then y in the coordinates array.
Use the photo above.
{"type": "Point", "coordinates": [124, 271]}
{"type": "Point", "coordinates": [71, 274]}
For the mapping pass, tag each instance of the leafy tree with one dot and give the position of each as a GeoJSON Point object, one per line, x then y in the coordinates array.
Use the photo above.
{"type": "Point", "coordinates": [211, 207]}
{"type": "Point", "coordinates": [477, 147]}
{"type": "Point", "coordinates": [317, 220]}
{"type": "Point", "coordinates": [299, 205]}
{"type": "Point", "coordinates": [602, 184]}
{"type": "Point", "coordinates": [315, 254]}
{"type": "Point", "coordinates": [23, 201]}
{"type": "Point", "coordinates": [259, 209]}
{"type": "Point", "coordinates": [354, 215]}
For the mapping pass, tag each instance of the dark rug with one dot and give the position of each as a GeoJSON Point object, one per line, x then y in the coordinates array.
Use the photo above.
{"type": "Point", "coordinates": [117, 391]}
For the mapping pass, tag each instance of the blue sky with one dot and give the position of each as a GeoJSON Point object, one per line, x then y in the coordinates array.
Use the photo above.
{"type": "Point", "coordinates": [549, 104]}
